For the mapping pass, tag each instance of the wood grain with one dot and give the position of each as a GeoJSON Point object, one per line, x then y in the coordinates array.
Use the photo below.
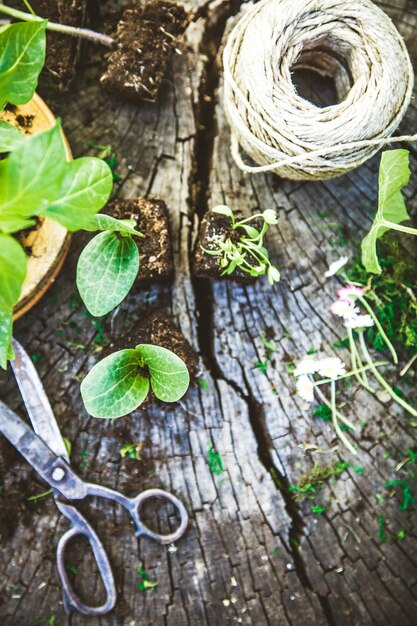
{"type": "Point", "coordinates": [252, 555]}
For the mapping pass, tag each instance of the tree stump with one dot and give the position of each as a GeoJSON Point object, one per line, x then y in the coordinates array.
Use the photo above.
{"type": "Point", "coordinates": [252, 555]}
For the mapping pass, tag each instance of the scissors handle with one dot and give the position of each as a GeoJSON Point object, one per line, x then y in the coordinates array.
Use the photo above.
{"type": "Point", "coordinates": [133, 505]}
{"type": "Point", "coordinates": [80, 526]}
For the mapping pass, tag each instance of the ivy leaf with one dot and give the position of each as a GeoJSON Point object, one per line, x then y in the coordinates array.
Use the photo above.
{"type": "Point", "coordinates": [10, 136]}
{"type": "Point", "coordinates": [22, 55]}
{"type": "Point", "coordinates": [106, 270]}
{"type": "Point", "coordinates": [394, 174]}
{"type": "Point", "coordinates": [6, 348]}
{"type": "Point", "coordinates": [85, 189]}
{"type": "Point", "coordinates": [106, 222]}
{"type": "Point", "coordinates": [169, 374]}
{"type": "Point", "coordinates": [12, 271]}
{"type": "Point", "coordinates": [115, 386]}
{"type": "Point", "coordinates": [30, 178]}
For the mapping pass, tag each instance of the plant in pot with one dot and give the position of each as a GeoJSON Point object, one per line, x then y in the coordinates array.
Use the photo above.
{"type": "Point", "coordinates": [144, 42]}
{"type": "Point", "coordinates": [233, 247]}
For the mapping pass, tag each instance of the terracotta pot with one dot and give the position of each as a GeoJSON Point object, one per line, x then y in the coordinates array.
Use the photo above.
{"type": "Point", "coordinates": [50, 241]}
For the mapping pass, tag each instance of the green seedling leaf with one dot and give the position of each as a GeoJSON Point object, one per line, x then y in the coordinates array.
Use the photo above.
{"type": "Point", "coordinates": [30, 178]}
{"type": "Point", "coordinates": [22, 55]}
{"type": "Point", "coordinates": [394, 174]}
{"type": "Point", "coordinates": [12, 271]}
{"type": "Point", "coordinates": [115, 386]}
{"type": "Point", "coordinates": [169, 374]}
{"type": "Point", "coordinates": [222, 209]}
{"type": "Point", "coordinates": [85, 189]}
{"type": "Point", "coordinates": [106, 270]}
{"type": "Point", "coordinates": [250, 230]}
{"type": "Point", "coordinates": [10, 136]}
{"type": "Point", "coordinates": [106, 222]}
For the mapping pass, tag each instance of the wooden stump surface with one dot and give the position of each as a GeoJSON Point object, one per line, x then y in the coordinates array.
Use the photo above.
{"type": "Point", "coordinates": [252, 555]}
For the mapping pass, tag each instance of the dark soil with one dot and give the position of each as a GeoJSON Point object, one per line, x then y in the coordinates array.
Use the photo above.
{"type": "Point", "coordinates": [62, 51]}
{"type": "Point", "coordinates": [155, 250]}
{"type": "Point", "coordinates": [157, 328]}
{"type": "Point", "coordinates": [207, 266]}
{"type": "Point", "coordinates": [146, 39]}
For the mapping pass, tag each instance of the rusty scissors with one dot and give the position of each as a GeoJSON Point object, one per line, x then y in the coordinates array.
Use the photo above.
{"type": "Point", "coordinates": [44, 448]}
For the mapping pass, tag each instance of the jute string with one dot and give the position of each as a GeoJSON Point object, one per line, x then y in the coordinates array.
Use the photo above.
{"type": "Point", "coordinates": [353, 42]}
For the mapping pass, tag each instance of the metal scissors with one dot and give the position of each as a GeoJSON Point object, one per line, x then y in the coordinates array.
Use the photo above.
{"type": "Point", "coordinates": [47, 453]}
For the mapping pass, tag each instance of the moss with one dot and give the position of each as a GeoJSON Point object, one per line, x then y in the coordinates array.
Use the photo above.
{"type": "Point", "coordinates": [394, 295]}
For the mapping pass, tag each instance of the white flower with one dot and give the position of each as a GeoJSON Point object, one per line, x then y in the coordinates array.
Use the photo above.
{"type": "Point", "coordinates": [345, 309]}
{"type": "Point", "coordinates": [359, 321]}
{"type": "Point", "coordinates": [350, 293]}
{"type": "Point", "coordinates": [305, 388]}
{"type": "Point", "coordinates": [270, 216]}
{"type": "Point", "coordinates": [336, 266]}
{"type": "Point", "coordinates": [331, 367]}
{"type": "Point", "coordinates": [306, 366]}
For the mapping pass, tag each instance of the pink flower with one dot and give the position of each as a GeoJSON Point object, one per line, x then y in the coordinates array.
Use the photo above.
{"type": "Point", "coordinates": [350, 293]}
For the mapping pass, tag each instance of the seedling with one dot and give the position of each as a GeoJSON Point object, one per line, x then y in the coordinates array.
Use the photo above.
{"type": "Point", "coordinates": [145, 584]}
{"type": "Point", "coordinates": [108, 265]}
{"type": "Point", "coordinates": [215, 461]}
{"type": "Point", "coordinates": [246, 251]}
{"type": "Point", "coordinates": [132, 450]}
{"type": "Point", "coordinates": [394, 174]}
{"type": "Point", "coordinates": [120, 383]}
{"type": "Point", "coordinates": [146, 38]}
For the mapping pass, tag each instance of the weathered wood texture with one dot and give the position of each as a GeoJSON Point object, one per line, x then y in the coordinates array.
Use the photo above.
{"type": "Point", "coordinates": [331, 569]}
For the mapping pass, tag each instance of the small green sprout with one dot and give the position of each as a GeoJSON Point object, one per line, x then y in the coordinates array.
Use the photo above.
{"type": "Point", "coordinates": [119, 383]}
{"type": "Point", "coordinates": [215, 462]}
{"type": "Point", "coordinates": [381, 528]}
{"type": "Point", "coordinates": [318, 510]}
{"type": "Point", "coordinates": [407, 494]}
{"type": "Point", "coordinates": [248, 252]}
{"type": "Point", "coordinates": [132, 450]}
{"type": "Point", "coordinates": [145, 584]}
{"type": "Point", "coordinates": [401, 534]}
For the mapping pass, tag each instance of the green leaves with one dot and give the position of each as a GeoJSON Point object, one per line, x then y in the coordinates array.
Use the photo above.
{"type": "Point", "coordinates": [12, 271]}
{"type": "Point", "coordinates": [86, 186]}
{"type": "Point", "coordinates": [394, 174]}
{"type": "Point", "coordinates": [9, 137]}
{"type": "Point", "coordinates": [106, 270]}
{"type": "Point", "coordinates": [106, 222]}
{"type": "Point", "coordinates": [31, 178]}
{"type": "Point", "coordinates": [12, 275]}
{"type": "Point", "coordinates": [22, 55]}
{"type": "Point", "coordinates": [115, 386]}
{"type": "Point", "coordinates": [36, 179]}
{"type": "Point", "coordinates": [169, 375]}
{"type": "Point", "coordinates": [120, 383]}
{"type": "Point", "coordinates": [6, 349]}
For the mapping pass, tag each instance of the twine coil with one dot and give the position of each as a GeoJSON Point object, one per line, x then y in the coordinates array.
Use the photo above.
{"type": "Point", "coordinates": [353, 42]}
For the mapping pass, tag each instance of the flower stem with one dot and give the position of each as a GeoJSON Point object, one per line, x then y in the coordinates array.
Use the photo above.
{"type": "Point", "coordinates": [382, 380]}
{"type": "Point", "coordinates": [364, 368]}
{"type": "Point", "coordinates": [380, 329]}
{"type": "Point", "coordinates": [84, 33]}
{"type": "Point", "coordinates": [327, 403]}
{"type": "Point", "coordinates": [337, 428]}
{"type": "Point", "coordinates": [359, 372]}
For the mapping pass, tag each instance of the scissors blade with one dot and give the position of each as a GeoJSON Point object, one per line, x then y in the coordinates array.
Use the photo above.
{"type": "Point", "coordinates": [53, 470]}
{"type": "Point", "coordinates": [36, 401]}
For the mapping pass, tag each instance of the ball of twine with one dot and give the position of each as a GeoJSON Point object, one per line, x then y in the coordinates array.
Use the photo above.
{"type": "Point", "coordinates": [354, 43]}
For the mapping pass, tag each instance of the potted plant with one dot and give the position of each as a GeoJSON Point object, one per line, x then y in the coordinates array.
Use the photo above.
{"type": "Point", "coordinates": [232, 247]}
